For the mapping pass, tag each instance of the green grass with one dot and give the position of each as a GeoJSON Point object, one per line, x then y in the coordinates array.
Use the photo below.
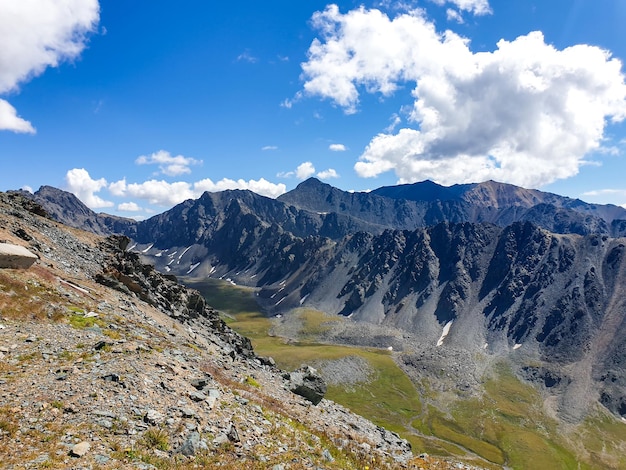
{"type": "Point", "coordinates": [223, 296]}
{"type": "Point", "coordinates": [79, 321]}
{"type": "Point", "coordinates": [505, 426]}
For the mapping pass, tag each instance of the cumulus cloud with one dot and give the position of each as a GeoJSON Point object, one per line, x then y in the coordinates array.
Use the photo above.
{"type": "Point", "coordinates": [10, 121]}
{"type": "Point", "coordinates": [78, 182]}
{"type": "Point", "coordinates": [36, 34]}
{"type": "Point", "coordinates": [163, 193]}
{"type": "Point", "coordinates": [328, 174]}
{"type": "Point", "coordinates": [129, 207]}
{"type": "Point", "coordinates": [525, 113]}
{"type": "Point", "coordinates": [337, 147]}
{"type": "Point", "coordinates": [158, 192]}
{"type": "Point", "coordinates": [261, 186]}
{"type": "Point", "coordinates": [168, 165]}
{"type": "Point", "coordinates": [305, 170]}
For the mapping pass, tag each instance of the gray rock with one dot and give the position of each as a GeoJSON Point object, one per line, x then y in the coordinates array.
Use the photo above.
{"type": "Point", "coordinates": [15, 257]}
{"type": "Point", "coordinates": [192, 445]}
{"type": "Point", "coordinates": [232, 434]}
{"type": "Point", "coordinates": [80, 449]}
{"type": "Point", "coordinates": [307, 383]}
{"type": "Point", "coordinates": [200, 383]}
{"type": "Point", "coordinates": [197, 396]}
{"type": "Point", "coordinates": [220, 439]}
{"type": "Point", "coordinates": [153, 417]}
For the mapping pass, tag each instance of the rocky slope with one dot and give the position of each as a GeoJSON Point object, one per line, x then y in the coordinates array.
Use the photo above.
{"type": "Point", "coordinates": [105, 363]}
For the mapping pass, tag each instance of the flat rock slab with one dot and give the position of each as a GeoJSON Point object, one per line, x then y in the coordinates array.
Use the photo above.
{"type": "Point", "coordinates": [15, 257]}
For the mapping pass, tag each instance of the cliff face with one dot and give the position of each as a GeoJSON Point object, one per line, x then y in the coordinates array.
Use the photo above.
{"type": "Point", "coordinates": [528, 276]}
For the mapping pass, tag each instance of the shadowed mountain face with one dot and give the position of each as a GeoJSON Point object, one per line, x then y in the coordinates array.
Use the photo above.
{"type": "Point", "coordinates": [490, 268]}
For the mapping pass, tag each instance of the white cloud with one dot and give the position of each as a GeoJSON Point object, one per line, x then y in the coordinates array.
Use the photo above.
{"type": "Point", "coordinates": [305, 170]}
{"type": "Point", "coordinates": [454, 15]}
{"type": "Point", "coordinates": [526, 113]}
{"type": "Point", "coordinates": [246, 56]}
{"type": "Point", "coordinates": [261, 186]}
{"type": "Point", "coordinates": [10, 121]}
{"type": "Point", "coordinates": [607, 196]}
{"type": "Point", "coordinates": [337, 147]}
{"type": "Point", "coordinates": [328, 174]}
{"type": "Point", "coordinates": [168, 165]}
{"type": "Point", "coordinates": [129, 207]}
{"type": "Point", "coordinates": [395, 122]}
{"type": "Point", "coordinates": [476, 7]}
{"type": "Point", "coordinates": [269, 147]}
{"type": "Point", "coordinates": [605, 192]}
{"type": "Point", "coordinates": [118, 188]}
{"type": "Point", "coordinates": [78, 182]}
{"type": "Point", "coordinates": [156, 192]}
{"type": "Point", "coordinates": [162, 193]}
{"type": "Point", "coordinates": [36, 34]}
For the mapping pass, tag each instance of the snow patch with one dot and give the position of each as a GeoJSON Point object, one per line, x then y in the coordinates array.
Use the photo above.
{"type": "Point", "coordinates": [303, 299]}
{"type": "Point", "coordinates": [74, 286]}
{"type": "Point", "coordinates": [280, 301]}
{"type": "Point", "coordinates": [446, 330]}
{"type": "Point", "coordinates": [147, 249]}
{"type": "Point", "coordinates": [167, 269]}
{"type": "Point", "coordinates": [517, 346]}
{"type": "Point", "coordinates": [132, 247]}
{"type": "Point", "coordinates": [186, 250]}
{"type": "Point", "coordinates": [192, 267]}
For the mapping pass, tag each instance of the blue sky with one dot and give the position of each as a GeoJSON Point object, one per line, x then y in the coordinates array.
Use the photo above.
{"type": "Point", "coordinates": [136, 106]}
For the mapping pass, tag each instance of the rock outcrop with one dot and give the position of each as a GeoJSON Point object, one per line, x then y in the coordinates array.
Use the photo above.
{"type": "Point", "coordinates": [15, 256]}
{"type": "Point", "coordinates": [307, 383]}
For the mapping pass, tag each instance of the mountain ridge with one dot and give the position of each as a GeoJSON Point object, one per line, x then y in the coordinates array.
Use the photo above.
{"type": "Point", "coordinates": [539, 278]}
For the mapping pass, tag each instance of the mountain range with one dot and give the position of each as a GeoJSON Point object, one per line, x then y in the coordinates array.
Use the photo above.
{"type": "Point", "coordinates": [485, 270]}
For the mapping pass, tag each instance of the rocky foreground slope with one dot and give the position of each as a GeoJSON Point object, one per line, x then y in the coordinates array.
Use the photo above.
{"type": "Point", "coordinates": [105, 363]}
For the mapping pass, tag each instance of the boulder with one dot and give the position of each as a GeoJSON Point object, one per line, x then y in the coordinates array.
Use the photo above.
{"type": "Point", "coordinates": [15, 257]}
{"type": "Point", "coordinates": [80, 449]}
{"type": "Point", "coordinates": [307, 383]}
